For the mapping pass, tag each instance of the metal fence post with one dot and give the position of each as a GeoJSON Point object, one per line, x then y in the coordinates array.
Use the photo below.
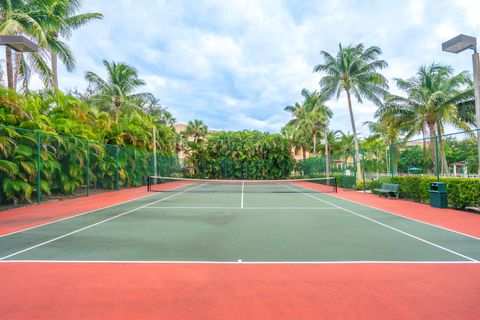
{"type": "Point", "coordinates": [136, 180]}
{"type": "Point", "coordinates": [88, 169]}
{"type": "Point", "coordinates": [392, 170]}
{"type": "Point", "coordinates": [117, 168]}
{"type": "Point", "coordinates": [363, 169]}
{"type": "Point", "coordinates": [437, 171]}
{"type": "Point", "coordinates": [38, 167]}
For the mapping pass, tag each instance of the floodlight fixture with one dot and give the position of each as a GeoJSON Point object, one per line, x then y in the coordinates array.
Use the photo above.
{"type": "Point", "coordinates": [18, 43]}
{"type": "Point", "coordinates": [460, 43]}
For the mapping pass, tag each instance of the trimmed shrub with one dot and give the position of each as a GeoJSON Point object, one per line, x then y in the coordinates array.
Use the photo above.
{"type": "Point", "coordinates": [462, 192]}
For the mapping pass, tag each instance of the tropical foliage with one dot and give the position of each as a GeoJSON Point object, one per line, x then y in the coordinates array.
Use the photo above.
{"type": "Point", "coordinates": [241, 155]}
{"type": "Point", "coordinates": [434, 98]}
{"type": "Point", "coordinates": [119, 155]}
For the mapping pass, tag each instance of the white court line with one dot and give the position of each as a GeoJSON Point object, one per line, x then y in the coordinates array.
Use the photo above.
{"type": "Point", "coordinates": [399, 215]}
{"type": "Point", "coordinates": [413, 219]}
{"type": "Point", "coordinates": [243, 188]}
{"type": "Point", "coordinates": [247, 208]}
{"type": "Point", "coordinates": [390, 227]}
{"type": "Point", "coordinates": [80, 214]}
{"type": "Point", "coordinates": [96, 224]}
{"type": "Point", "coordinates": [237, 262]}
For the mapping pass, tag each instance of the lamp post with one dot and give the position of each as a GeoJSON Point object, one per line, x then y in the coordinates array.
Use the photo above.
{"type": "Point", "coordinates": [456, 45]}
{"type": "Point", "coordinates": [154, 133]}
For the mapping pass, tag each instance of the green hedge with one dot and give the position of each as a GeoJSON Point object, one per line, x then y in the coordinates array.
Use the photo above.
{"type": "Point", "coordinates": [462, 192]}
{"type": "Point", "coordinates": [338, 176]}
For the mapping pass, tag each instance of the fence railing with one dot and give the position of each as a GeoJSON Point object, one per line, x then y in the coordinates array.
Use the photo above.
{"type": "Point", "coordinates": [450, 155]}
{"type": "Point", "coordinates": [37, 166]}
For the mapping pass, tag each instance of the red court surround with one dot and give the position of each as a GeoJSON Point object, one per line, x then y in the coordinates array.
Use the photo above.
{"type": "Point", "coordinates": [236, 291]}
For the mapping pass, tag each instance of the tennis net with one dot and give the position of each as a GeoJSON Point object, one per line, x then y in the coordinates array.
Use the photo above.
{"type": "Point", "coordinates": [169, 184]}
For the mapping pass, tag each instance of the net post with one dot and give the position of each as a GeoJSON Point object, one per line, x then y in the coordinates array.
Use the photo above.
{"type": "Point", "coordinates": [88, 169]}
{"type": "Point", "coordinates": [148, 184]}
{"type": "Point", "coordinates": [39, 137]}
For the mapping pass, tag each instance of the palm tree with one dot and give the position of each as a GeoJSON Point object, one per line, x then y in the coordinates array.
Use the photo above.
{"type": "Point", "coordinates": [196, 129]}
{"type": "Point", "coordinates": [353, 70]}
{"type": "Point", "coordinates": [118, 89]}
{"type": "Point", "coordinates": [311, 116]}
{"type": "Point", "coordinates": [153, 107]}
{"type": "Point", "coordinates": [332, 143]}
{"type": "Point", "coordinates": [61, 20]}
{"type": "Point", "coordinates": [434, 97]}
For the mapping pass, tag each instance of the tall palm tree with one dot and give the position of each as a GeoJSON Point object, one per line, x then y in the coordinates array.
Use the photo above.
{"type": "Point", "coordinates": [117, 90]}
{"type": "Point", "coordinates": [61, 20]}
{"type": "Point", "coordinates": [196, 129]}
{"type": "Point", "coordinates": [434, 98]}
{"type": "Point", "coordinates": [354, 70]}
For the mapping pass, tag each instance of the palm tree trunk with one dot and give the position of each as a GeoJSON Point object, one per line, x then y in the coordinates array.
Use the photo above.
{"type": "Point", "coordinates": [431, 129]}
{"type": "Point", "coordinates": [54, 59]}
{"type": "Point", "coordinates": [9, 62]}
{"type": "Point", "coordinates": [327, 160]}
{"type": "Point", "coordinates": [314, 144]}
{"type": "Point", "coordinates": [424, 141]}
{"type": "Point", "coordinates": [354, 130]}
{"type": "Point", "coordinates": [304, 153]}
{"type": "Point", "coordinates": [117, 114]}
{"type": "Point", "coordinates": [441, 152]}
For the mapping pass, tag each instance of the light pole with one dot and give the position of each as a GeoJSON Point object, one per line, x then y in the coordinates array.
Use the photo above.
{"type": "Point", "coordinates": [154, 133]}
{"type": "Point", "coordinates": [456, 45]}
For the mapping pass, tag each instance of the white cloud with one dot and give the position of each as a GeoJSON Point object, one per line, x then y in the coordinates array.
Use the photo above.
{"type": "Point", "coordinates": [236, 64]}
{"type": "Point", "coordinates": [416, 11]}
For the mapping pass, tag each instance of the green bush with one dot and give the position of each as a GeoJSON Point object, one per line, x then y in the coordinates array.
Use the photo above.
{"type": "Point", "coordinates": [240, 155]}
{"type": "Point", "coordinates": [372, 184]}
{"type": "Point", "coordinates": [462, 192]}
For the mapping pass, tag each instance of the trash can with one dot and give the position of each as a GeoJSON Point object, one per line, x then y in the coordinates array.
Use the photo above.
{"type": "Point", "coordinates": [438, 195]}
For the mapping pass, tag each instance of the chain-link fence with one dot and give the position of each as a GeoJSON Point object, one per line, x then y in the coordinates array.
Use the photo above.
{"type": "Point", "coordinates": [39, 167]}
{"type": "Point", "coordinates": [451, 155]}
{"type": "Point", "coordinates": [228, 168]}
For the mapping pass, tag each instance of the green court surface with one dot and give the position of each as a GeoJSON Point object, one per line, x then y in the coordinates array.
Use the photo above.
{"type": "Point", "coordinates": [239, 223]}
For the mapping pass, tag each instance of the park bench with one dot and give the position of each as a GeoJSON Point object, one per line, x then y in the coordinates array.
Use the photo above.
{"type": "Point", "coordinates": [474, 209]}
{"type": "Point", "coordinates": [390, 189]}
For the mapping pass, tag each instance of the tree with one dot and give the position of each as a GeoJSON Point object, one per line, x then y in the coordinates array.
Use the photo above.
{"type": "Point", "coordinates": [62, 20]}
{"type": "Point", "coordinates": [434, 97]}
{"type": "Point", "coordinates": [354, 71]}
{"type": "Point", "coordinates": [196, 129]}
{"type": "Point", "coordinates": [152, 106]}
{"type": "Point", "coordinates": [118, 89]}
{"type": "Point", "coordinates": [311, 116]}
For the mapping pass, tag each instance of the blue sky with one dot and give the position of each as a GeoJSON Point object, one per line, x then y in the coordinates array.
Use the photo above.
{"type": "Point", "coordinates": [237, 64]}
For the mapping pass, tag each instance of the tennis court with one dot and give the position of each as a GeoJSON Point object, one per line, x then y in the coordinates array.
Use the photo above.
{"type": "Point", "coordinates": [248, 222]}
{"type": "Point", "coordinates": [219, 249]}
